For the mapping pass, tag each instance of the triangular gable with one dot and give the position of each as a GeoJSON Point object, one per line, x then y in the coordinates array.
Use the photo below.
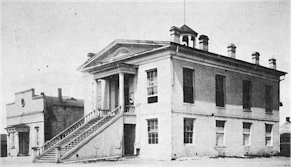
{"type": "Point", "coordinates": [120, 49]}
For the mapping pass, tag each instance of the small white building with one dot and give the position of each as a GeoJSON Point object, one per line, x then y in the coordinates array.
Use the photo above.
{"type": "Point", "coordinates": [33, 120]}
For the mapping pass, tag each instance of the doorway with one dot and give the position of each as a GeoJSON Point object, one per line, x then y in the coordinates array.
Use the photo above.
{"type": "Point", "coordinates": [23, 143]}
{"type": "Point", "coordinates": [129, 138]}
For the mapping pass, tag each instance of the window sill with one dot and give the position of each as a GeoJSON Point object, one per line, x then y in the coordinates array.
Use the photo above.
{"type": "Point", "coordinates": [247, 146]}
{"type": "Point", "coordinates": [269, 113]}
{"type": "Point", "coordinates": [220, 147]}
{"type": "Point", "coordinates": [189, 104]}
{"type": "Point", "coordinates": [186, 144]}
{"type": "Point", "coordinates": [269, 146]}
{"type": "Point", "coordinates": [221, 108]}
{"type": "Point", "coordinates": [247, 110]}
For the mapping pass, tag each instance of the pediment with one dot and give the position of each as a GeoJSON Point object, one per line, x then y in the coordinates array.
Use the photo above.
{"type": "Point", "coordinates": [118, 51]}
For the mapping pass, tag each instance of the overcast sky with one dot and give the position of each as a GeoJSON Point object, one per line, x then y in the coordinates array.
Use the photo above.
{"type": "Point", "coordinates": [44, 42]}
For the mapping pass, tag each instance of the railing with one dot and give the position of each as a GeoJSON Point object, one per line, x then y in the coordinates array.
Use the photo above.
{"type": "Point", "coordinates": [104, 112]}
{"type": "Point", "coordinates": [129, 109]}
{"type": "Point", "coordinates": [91, 129]}
{"type": "Point", "coordinates": [51, 143]}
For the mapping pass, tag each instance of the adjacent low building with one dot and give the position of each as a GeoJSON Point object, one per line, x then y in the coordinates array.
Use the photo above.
{"type": "Point", "coordinates": [285, 138]}
{"type": "Point", "coordinates": [32, 119]}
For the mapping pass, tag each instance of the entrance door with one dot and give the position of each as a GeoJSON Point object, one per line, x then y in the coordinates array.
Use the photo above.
{"type": "Point", "coordinates": [23, 143]}
{"type": "Point", "coordinates": [129, 138]}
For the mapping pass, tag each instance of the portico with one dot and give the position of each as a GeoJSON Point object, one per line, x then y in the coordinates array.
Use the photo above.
{"type": "Point", "coordinates": [114, 86]}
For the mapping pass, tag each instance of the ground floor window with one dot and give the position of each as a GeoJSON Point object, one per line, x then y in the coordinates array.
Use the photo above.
{"type": "Point", "coordinates": [152, 131]}
{"type": "Point", "coordinates": [220, 137]}
{"type": "Point", "coordinates": [188, 130]}
{"type": "Point", "coordinates": [269, 134]}
{"type": "Point", "coordinates": [246, 134]}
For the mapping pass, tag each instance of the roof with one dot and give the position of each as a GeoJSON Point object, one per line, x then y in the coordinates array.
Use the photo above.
{"type": "Point", "coordinates": [118, 42]}
{"type": "Point", "coordinates": [187, 29]}
{"type": "Point", "coordinates": [285, 128]}
{"type": "Point", "coordinates": [174, 47]}
{"type": "Point", "coordinates": [66, 101]}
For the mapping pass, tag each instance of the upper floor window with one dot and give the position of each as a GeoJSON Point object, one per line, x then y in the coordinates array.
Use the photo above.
{"type": "Point", "coordinates": [152, 131]}
{"type": "Point", "coordinates": [188, 85]}
{"type": "Point", "coordinates": [220, 91]}
{"type": "Point", "coordinates": [188, 130]}
{"type": "Point", "coordinates": [152, 86]}
{"type": "Point", "coordinates": [269, 134]}
{"type": "Point", "coordinates": [246, 94]}
{"type": "Point", "coordinates": [268, 98]}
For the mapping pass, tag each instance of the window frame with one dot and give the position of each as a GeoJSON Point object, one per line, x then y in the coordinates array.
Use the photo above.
{"type": "Point", "coordinates": [246, 133]}
{"type": "Point", "coordinates": [152, 139]}
{"type": "Point", "coordinates": [152, 98]}
{"type": "Point", "coordinates": [269, 98]}
{"type": "Point", "coordinates": [246, 95]}
{"type": "Point", "coordinates": [269, 135]}
{"type": "Point", "coordinates": [221, 92]}
{"type": "Point", "coordinates": [186, 132]}
{"type": "Point", "coordinates": [218, 131]}
{"type": "Point", "coordinates": [188, 84]}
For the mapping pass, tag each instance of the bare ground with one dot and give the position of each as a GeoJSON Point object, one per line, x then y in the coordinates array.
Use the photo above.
{"type": "Point", "coordinates": [135, 161]}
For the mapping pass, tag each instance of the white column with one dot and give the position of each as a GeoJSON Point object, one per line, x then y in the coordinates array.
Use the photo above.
{"type": "Point", "coordinates": [16, 142]}
{"type": "Point", "coordinates": [121, 91]}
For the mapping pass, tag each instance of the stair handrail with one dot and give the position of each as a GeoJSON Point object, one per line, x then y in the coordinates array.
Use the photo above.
{"type": "Point", "coordinates": [112, 113]}
{"type": "Point", "coordinates": [48, 145]}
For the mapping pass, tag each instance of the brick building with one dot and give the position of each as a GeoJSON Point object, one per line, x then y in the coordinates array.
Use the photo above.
{"type": "Point", "coordinates": [33, 119]}
{"type": "Point", "coordinates": [170, 99]}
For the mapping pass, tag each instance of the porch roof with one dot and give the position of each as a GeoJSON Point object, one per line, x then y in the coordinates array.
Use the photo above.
{"type": "Point", "coordinates": [18, 128]}
{"type": "Point", "coordinates": [113, 68]}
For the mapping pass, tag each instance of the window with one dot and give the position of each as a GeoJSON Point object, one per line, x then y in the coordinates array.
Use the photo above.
{"type": "Point", "coordinates": [220, 91]}
{"type": "Point", "coordinates": [268, 98]}
{"type": "Point", "coordinates": [246, 91]}
{"type": "Point", "coordinates": [152, 131]}
{"type": "Point", "coordinates": [37, 135]}
{"type": "Point", "coordinates": [220, 140]}
{"type": "Point", "coordinates": [246, 134]}
{"type": "Point", "coordinates": [188, 130]}
{"type": "Point", "coordinates": [188, 86]}
{"type": "Point", "coordinates": [152, 86]}
{"type": "Point", "coordinates": [269, 134]}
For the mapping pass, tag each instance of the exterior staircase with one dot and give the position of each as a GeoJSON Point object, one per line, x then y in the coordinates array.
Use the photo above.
{"type": "Point", "coordinates": [74, 136]}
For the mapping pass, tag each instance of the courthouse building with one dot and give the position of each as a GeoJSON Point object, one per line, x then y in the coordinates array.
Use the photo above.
{"type": "Point", "coordinates": [170, 99]}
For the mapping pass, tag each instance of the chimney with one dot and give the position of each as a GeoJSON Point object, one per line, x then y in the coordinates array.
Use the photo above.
{"type": "Point", "coordinates": [288, 119]}
{"type": "Point", "coordinates": [174, 34]}
{"type": "Point", "coordinates": [255, 58]}
{"type": "Point", "coordinates": [231, 50]}
{"type": "Point", "coordinates": [60, 94]}
{"type": "Point", "coordinates": [203, 42]}
{"type": "Point", "coordinates": [90, 55]}
{"type": "Point", "coordinates": [42, 93]}
{"type": "Point", "coordinates": [272, 62]}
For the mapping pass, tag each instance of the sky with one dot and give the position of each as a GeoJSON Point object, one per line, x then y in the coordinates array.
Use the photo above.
{"type": "Point", "coordinates": [43, 42]}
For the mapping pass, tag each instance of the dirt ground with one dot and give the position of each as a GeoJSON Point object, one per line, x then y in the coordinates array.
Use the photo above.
{"type": "Point", "coordinates": [135, 161]}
